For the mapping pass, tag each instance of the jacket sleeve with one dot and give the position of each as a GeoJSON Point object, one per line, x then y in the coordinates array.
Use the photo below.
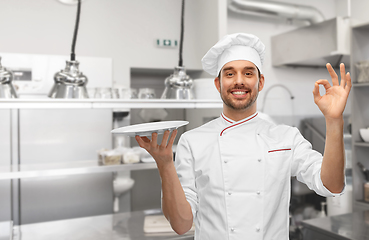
{"type": "Point", "coordinates": [306, 166]}
{"type": "Point", "coordinates": [184, 164]}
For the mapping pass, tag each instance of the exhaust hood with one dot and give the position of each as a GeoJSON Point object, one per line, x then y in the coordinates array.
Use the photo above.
{"type": "Point", "coordinates": [314, 45]}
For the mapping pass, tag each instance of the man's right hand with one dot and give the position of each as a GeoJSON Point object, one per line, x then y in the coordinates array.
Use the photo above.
{"type": "Point", "coordinates": [174, 203]}
{"type": "Point", "coordinates": [162, 153]}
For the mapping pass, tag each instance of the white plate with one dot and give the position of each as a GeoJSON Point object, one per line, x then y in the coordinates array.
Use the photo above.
{"type": "Point", "coordinates": [146, 129]}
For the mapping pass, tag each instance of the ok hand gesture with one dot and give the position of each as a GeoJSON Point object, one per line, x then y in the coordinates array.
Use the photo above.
{"type": "Point", "coordinates": [333, 102]}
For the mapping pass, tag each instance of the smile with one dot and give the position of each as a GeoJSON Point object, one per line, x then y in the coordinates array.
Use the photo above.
{"type": "Point", "coordinates": [239, 92]}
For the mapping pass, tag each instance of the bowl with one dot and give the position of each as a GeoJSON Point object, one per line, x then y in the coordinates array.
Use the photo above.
{"type": "Point", "coordinates": [364, 133]}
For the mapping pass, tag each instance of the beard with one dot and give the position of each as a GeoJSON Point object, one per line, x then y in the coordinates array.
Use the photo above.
{"type": "Point", "coordinates": [239, 104]}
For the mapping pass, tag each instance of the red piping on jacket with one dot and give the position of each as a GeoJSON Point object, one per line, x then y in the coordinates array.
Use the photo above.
{"type": "Point", "coordinates": [277, 150]}
{"type": "Point", "coordinates": [226, 119]}
{"type": "Point", "coordinates": [237, 123]}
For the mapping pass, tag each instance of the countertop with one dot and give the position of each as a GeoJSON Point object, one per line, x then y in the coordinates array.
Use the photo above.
{"type": "Point", "coordinates": [122, 226]}
{"type": "Point", "coordinates": [352, 226]}
{"type": "Point", "coordinates": [6, 230]}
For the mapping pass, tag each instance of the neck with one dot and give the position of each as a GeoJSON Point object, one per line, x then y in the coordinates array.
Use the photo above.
{"type": "Point", "coordinates": [238, 114]}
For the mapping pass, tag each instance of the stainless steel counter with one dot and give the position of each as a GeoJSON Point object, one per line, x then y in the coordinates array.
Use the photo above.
{"type": "Point", "coordinates": [351, 226]}
{"type": "Point", "coordinates": [123, 226]}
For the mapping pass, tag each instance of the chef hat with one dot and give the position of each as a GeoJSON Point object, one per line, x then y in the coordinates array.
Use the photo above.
{"type": "Point", "coordinates": [237, 46]}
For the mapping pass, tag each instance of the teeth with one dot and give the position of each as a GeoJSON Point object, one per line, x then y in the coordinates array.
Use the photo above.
{"type": "Point", "coordinates": [239, 93]}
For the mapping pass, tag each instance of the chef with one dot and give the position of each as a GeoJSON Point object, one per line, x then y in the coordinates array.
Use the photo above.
{"type": "Point", "coordinates": [231, 176]}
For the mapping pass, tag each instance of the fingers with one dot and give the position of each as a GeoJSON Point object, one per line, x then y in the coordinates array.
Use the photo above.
{"type": "Point", "coordinates": [343, 75]}
{"type": "Point", "coordinates": [172, 137]}
{"type": "Point", "coordinates": [141, 141]}
{"type": "Point", "coordinates": [348, 83]}
{"type": "Point", "coordinates": [165, 139]}
{"type": "Point", "coordinates": [323, 82]}
{"type": "Point", "coordinates": [147, 144]}
{"type": "Point", "coordinates": [333, 74]}
{"type": "Point", "coordinates": [154, 138]}
{"type": "Point", "coordinates": [316, 92]}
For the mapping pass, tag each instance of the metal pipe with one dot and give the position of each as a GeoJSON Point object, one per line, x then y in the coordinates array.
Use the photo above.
{"type": "Point", "coordinates": [274, 9]}
{"type": "Point", "coordinates": [277, 85]}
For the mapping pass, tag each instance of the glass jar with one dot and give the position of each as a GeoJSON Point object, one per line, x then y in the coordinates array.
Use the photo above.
{"type": "Point", "coordinates": [146, 93]}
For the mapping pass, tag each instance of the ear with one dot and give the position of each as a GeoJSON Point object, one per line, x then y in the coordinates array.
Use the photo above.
{"type": "Point", "coordinates": [217, 83]}
{"type": "Point", "coordinates": [261, 82]}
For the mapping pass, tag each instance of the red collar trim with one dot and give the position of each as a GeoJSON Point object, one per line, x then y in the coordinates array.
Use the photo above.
{"type": "Point", "coordinates": [226, 119]}
{"type": "Point", "coordinates": [237, 123]}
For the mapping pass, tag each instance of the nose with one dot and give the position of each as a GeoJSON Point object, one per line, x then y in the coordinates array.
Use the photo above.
{"type": "Point", "coordinates": [239, 79]}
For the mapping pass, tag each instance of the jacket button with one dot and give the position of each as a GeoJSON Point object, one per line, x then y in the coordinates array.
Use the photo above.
{"type": "Point", "coordinates": [257, 229]}
{"type": "Point", "coordinates": [232, 229]}
{"type": "Point", "coordinates": [225, 161]}
{"type": "Point", "coordinates": [229, 193]}
{"type": "Point", "coordinates": [258, 192]}
{"type": "Point", "coordinates": [259, 160]}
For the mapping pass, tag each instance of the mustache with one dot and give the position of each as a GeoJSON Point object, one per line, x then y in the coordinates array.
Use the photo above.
{"type": "Point", "coordinates": [240, 88]}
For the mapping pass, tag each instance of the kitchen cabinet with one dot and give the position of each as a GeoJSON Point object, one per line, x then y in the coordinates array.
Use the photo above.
{"type": "Point", "coordinates": [89, 166]}
{"type": "Point", "coordinates": [360, 113]}
{"type": "Point", "coordinates": [63, 170]}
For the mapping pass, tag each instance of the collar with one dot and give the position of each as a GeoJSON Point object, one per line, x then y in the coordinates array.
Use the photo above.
{"type": "Point", "coordinates": [230, 123]}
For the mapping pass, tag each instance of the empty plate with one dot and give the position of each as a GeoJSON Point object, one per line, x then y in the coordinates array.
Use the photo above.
{"type": "Point", "coordinates": [146, 129]}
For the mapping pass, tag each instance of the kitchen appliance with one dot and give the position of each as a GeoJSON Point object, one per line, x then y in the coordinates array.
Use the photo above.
{"type": "Point", "coordinates": [272, 9]}
{"type": "Point", "coordinates": [179, 85]}
{"type": "Point", "coordinates": [314, 45]}
{"type": "Point", "coordinates": [6, 86]}
{"type": "Point", "coordinates": [70, 83]}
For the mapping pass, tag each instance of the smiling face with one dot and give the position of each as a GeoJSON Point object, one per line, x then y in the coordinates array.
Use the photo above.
{"type": "Point", "coordinates": [239, 85]}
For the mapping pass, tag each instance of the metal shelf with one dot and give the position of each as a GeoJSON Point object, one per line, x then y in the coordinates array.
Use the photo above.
{"type": "Point", "coordinates": [66, 168]}
{"type": "Point", "coordinates": [360, 84]}
{"type": "Point", "coordinates": [361, 144]}
{"type": "Point", "coordinates": [106, 103]}
{"type": "Point", "coordinates": [362, 203]}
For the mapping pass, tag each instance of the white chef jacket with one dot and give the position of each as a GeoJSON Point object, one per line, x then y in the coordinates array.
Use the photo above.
{"type": "Point", "coordinates": [236, 177]}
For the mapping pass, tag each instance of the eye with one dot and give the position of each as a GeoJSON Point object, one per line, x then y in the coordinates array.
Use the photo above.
{"type": "Point", "coordinates": [248, 73]}
{"type": "Point", "coordinates": [229, 74]}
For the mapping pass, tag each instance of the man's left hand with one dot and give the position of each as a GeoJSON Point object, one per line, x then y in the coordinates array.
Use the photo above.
{"type": "Point", "coordinates": [333, 102]}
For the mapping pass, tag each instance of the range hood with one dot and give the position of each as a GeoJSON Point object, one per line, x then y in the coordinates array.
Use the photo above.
{"type": "Point", "coordinates": [314, 45]}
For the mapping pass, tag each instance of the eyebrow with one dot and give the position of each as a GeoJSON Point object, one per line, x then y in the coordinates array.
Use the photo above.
{"type": "Point", "coordinates": [231, 68]}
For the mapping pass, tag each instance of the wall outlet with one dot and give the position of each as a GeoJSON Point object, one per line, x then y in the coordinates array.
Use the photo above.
{"type": "Point", "coordinates": [168, 43]}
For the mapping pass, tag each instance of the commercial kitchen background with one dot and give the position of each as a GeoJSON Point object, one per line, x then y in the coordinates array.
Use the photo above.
{"type": "Point", "coordinates": [125, 32]}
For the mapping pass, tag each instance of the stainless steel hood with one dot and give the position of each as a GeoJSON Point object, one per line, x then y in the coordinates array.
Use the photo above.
{"type": "Point", "coordinates": [314, 45]}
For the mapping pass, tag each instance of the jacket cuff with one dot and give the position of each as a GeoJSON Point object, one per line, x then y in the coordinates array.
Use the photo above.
{"type": "Point", "coordinates": [323, 191]}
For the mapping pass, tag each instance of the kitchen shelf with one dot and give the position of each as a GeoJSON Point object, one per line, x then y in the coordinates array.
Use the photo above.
{"type": "Point", "coordinates": [66, 168]}
{"type": "Point", "coordinates": [107, 103]}
{"type": "Point", "coordinates": [360, 84]}
{"type": "Point", "coordinates": [361, 144]}
{"type": "Point", "coordinates": [359, 111]}
{"type": "Point", "coordinates": [362, 204]}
